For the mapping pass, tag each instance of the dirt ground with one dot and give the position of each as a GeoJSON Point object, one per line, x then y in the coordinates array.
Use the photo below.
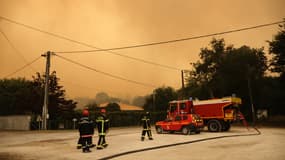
{"type": "Point", "coordinates": [61, 145]}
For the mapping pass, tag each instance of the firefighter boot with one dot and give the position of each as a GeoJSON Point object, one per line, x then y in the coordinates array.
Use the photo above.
{"type": "Point", "coordinates": [86, 150]}
{"type": "Point", "coordinates": [79, 146]}
{"type": "Point", "coordinates": [100, 147]}
{"type": "Point", "coordinates": [91, 145]}
{"type": "Point", "coordinates": [150, 138]}
{"type": "Point", "coordinates": [105, 145]}
{"type": "Point", "coordinates": [142, 138]}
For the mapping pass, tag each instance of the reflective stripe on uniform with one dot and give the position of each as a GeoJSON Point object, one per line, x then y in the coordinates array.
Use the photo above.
{"type": "Point", "coordinates": [84, 136]}
{"type": "Point", "coordinates": [102, 134]}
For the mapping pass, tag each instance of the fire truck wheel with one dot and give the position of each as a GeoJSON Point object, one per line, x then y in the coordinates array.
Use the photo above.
{"type": "Point", "coordinates": [159, 130]}
{"type": "Point", "coordinates": [214, 125]}
{"type": "Point", "coordinates": [185, 130]}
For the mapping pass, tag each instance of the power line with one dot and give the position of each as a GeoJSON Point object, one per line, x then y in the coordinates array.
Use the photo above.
{"type": "Point", "coordinates": [145, 61]}
{"type": "Point", "coordinates": [175, 40]}
{"type": "Point", "coordinates": [26, 65]}
{"type": "Point", "coordinates": [105, 73]}
{"type": "Point", "coordinates": [87, 45]}
{"type": "Point", "coordinates": [13, 47]}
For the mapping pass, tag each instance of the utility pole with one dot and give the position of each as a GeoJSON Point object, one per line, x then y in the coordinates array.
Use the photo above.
{"type": "Point", "coordinates": [45, 106]}
{"type": "Point", "coordinates": [250, 94]}
{"type": "Point", "coordinates": [153, 101]}
{"type": "Point", "coordinates": [251, 100]}
{"type": "Point", "coordinates": [182, 78]}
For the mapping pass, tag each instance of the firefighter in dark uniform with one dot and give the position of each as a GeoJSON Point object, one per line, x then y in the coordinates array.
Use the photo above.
{"type": "Point", "coordinates": [102, 123]}
{"type": "Point", "coordinates": [145, 120]}
{"type": "Point", "coordinates": [86, 131]}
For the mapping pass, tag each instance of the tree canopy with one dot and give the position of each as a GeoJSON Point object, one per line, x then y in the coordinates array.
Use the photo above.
{"type": "Point", "coordinates": [277, 50]}
{"type": "Point", "coordinates": [158, 100]}
{"type": "Point", "coordinates": [20, 96]}
{"type": "Point", "coordinates": [224, 70]}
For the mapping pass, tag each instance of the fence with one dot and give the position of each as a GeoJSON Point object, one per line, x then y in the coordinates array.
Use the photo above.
{"type": "Point", "coordinates": [15, 122]}
{"type": "Point", "coordinates": [117, 119]}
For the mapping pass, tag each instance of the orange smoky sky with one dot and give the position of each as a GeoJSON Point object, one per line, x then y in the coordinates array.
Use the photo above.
{"type": "Point", "coordinates": [117, 23]}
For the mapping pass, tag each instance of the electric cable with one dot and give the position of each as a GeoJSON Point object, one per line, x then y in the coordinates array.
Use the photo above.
{"type": "Point", "coordinates": [85, 44]}
{"type": "Point", "coordinates": [176, 40]}
{"type": "Point", "coordinates": [105, 73]}
{"type": "Point", "coordinates": [23, 67]}
{"type": "Point", "coordinates": [13, 47]}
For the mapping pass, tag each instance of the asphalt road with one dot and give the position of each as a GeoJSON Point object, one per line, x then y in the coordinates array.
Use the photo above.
{"type": "Point", "coordinates": [125, 144]}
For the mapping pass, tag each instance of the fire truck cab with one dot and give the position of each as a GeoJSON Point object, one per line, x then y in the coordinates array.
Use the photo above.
{"type": "Point", "coordinates": [179, 119]}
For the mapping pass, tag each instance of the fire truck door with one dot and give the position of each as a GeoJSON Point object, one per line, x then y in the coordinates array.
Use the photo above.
{"type": "Point", "coordinates": [176, 124]}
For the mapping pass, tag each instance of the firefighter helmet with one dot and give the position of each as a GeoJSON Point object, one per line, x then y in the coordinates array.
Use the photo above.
{"type": "Point", "coordinates": [85, 112]}
{"type": "Point", "coordinates": [103, 110]}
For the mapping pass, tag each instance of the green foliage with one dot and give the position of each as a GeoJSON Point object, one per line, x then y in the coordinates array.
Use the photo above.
{"type": "Point", "coordinates": [18, 96]}
{"type": "Point", "coordinates": [225, 70]}
{"type": "Point", "coordinates": [277, 49]}
{"type": "Point", "coordinates": [112, 107]}
{"type": "Point", "coordinates": [158, 101]}
{"type": "Point", "coordinates": [272, 96]}
{"type": "Point", "coordinates": [59, 107]}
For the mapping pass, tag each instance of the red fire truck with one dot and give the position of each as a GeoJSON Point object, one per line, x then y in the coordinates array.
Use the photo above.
{"type": "Point", "coordinates": [217, 114]}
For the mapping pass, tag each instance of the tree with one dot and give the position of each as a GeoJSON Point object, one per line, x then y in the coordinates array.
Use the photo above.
{"type": "Point", "coordinates": [206, 69]}
{"type": "Point", "coordinates": [158, 101]}
{"type": "Point", "coordinates": [225, 70]}
{"type": "Point", "coordinates": [139, 101]}
{"type": "Point", "coordinates": [275, 86]}
{"type": "Point", "coordinates": [18, 96]}
{"type": "Point", "coordinates": [222, 70]}
{"type": "Point", "coordinates": [59, 107]}
{"type": "Point", "coordinates": [277, 49]}
{"type": "Point", "coordinates": [111, 107]}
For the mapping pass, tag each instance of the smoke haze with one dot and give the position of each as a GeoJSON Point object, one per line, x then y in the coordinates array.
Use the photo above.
{"type": "Point", "coordinates": [112, 23]}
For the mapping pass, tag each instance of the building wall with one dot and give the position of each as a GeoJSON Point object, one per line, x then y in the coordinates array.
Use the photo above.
{"type": "Point", "coordinates": [19, 122]}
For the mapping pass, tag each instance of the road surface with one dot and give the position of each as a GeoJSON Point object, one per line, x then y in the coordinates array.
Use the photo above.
{"type": "Point", "coordinates": [61, 145]}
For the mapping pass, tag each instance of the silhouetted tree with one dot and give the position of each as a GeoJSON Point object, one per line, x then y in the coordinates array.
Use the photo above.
{"type": "Point", "coordinates": [224, 70]}
{"type": "Point", "coordinates": [277, 49]}
{"type": "Point", "coordinates": [18, 96]}
{"type": "Point", "coordinates": [59, 107]}
{"type": "Point", "coordinates": [111, 107]}
{"type": "Point", "coordinates": [139, 101]}
{"type": "Point", "coordinates": [158, 100]}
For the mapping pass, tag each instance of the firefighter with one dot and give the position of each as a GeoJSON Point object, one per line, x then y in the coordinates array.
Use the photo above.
{"type": "Point", "coordinates": [102, 125]}
{"type": "Point", "coordinates": [145, 120]}
{"type": "Point", "coordinates": [86, 131]}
